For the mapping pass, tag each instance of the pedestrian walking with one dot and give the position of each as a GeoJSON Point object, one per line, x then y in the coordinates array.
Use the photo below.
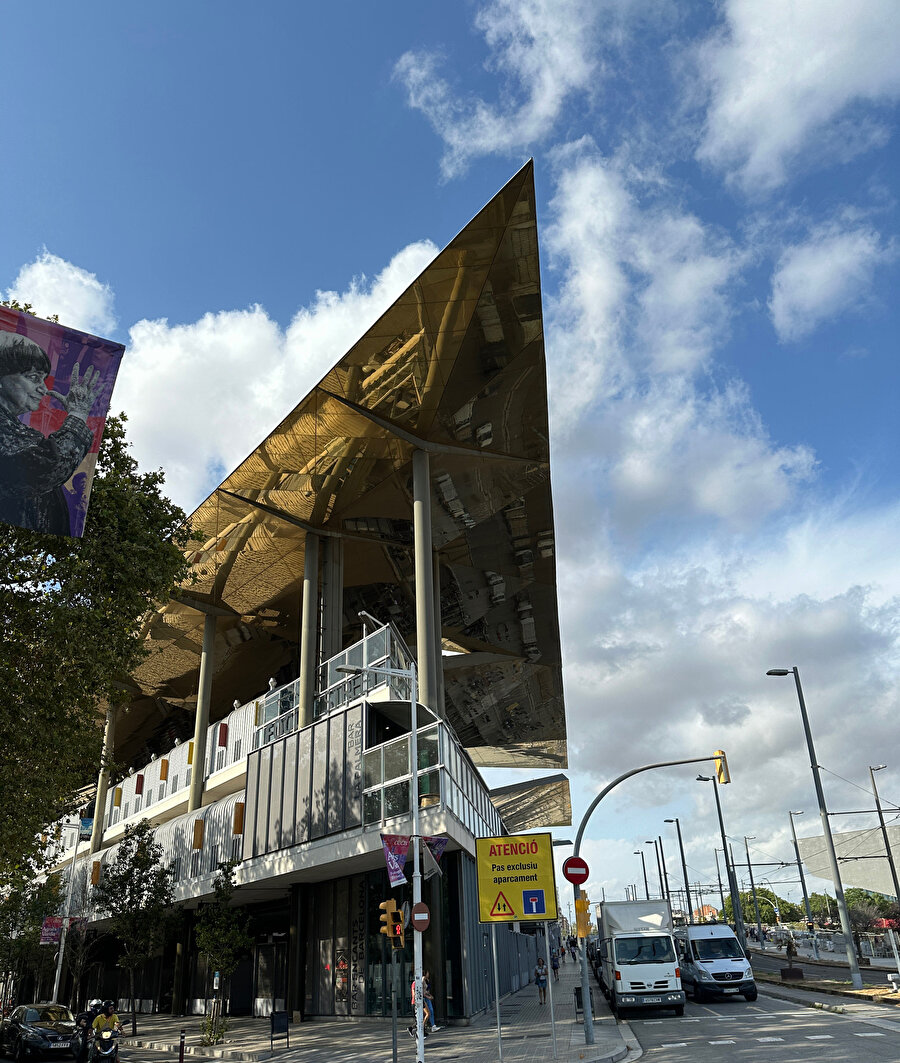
{"type": "Point", "coordinates": [554, 964]}
{"type": "Point", "coordinates": [540, 980]}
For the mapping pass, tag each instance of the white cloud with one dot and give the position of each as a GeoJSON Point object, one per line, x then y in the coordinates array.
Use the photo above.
{"type": "Point", "coordinates": [543, 51]}
{"type": "Point", "coordinates": [54, 286]}
{"type": "Point", "coordinates": [828, 274]}
{"type": "Point", "coordinates": [784, 79]}
{"type": "Point", "coordinates": [200, 396]}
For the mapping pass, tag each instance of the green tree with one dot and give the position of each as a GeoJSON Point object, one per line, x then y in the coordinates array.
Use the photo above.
{"type": "Point", "coordinates": [22, 911]}
{"type": "Point", "coordinates": [135, 892]}
{"type": "Point", "coordinates": [70, 630]}
{"type": "Point", "coordinates": [222, 937]}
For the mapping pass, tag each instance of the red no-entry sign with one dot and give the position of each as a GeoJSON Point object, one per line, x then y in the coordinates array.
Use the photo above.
{"type": "Point", "coordinates": [576, 870]}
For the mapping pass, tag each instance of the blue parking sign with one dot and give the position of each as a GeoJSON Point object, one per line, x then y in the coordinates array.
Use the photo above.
{"type": "Point", "coordinates": [533, 902]}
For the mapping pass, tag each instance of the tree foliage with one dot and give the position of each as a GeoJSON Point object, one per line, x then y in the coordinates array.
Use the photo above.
{"type": "Point", "coordinates": [223, 938]}
{"type": "Point", "coordinates": [22, 911]}
{"type": "Point", "coordinates": [70, 629]}
{"type": "Point", "coordinates": [135, 892]}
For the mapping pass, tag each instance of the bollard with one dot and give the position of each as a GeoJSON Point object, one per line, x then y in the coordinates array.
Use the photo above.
{"type": "Point", "coordinates": [181, 1048]}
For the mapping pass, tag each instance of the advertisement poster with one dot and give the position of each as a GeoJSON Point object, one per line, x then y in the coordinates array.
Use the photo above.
{"type": "Point", "coordinates": [51, 930]}
{"type": "Point", "coordinates": [396, 846]}
{"type": "Point", "coordinates": [55, 389]}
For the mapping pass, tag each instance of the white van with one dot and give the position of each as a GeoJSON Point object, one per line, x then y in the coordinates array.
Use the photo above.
{"type": "Point", "coordinates": [713, 963]}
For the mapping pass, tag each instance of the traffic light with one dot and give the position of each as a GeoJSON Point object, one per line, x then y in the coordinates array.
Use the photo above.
{"type": "Point", "coordinates": [389, 918]}
{"type": "Point", "coordinates": [722, 773]}
{"type": "Point", "coordinates": [582, 920]}
{"type": "Point", "coordinates": [392, 924]}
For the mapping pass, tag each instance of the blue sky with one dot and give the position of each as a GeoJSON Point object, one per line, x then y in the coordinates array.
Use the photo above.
{"type": "Point", "coordinates": [717, 194]}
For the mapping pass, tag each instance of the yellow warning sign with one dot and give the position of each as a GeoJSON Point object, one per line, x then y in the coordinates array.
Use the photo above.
{"type": "Point", "coordinates": [516, 881]}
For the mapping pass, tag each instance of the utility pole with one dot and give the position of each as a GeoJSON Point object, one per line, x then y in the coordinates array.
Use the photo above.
{"type": "Point", "coordinates": [759, 930]}
{"type": "Point", "coordinates": [884, 833]}
{"type": "Point", "coordinates": [806, 904]}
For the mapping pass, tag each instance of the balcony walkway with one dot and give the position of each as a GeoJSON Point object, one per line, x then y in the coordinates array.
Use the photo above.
{"type": "Point", "coordinates": [526, 1035]}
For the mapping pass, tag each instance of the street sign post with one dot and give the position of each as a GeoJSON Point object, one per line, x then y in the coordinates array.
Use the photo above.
{"type": "Point", "coordinates": [420, 916]}
{"type": "Point", "coordinates": [516, 879]}
{"type": "Point", "coordinates": [576, 870]}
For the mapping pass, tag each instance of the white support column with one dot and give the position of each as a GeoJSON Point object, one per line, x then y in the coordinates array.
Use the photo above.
{"type": "Point", "coordinates": [201, 717]}
{"type": "Point", "coordinates": [438, 639]}
{"type": "Point", "coordinates": [109, 739]}
{"type": "Point", "coordinates": [308, 629]}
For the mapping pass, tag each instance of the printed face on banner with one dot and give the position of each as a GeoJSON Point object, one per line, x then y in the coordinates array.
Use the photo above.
{"type": "Point", "coordinates": [55, 389]}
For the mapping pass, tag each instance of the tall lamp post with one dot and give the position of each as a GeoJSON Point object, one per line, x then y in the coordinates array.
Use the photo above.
{"type": "Point", "coordinates": [806, 905]}
{"type": "Point", "coordinates": [411, 674]}
{"type": "Point", "coordinates": [662, 857]}
{"type": "Point", "coordinates": [762, 940]}
{"type": "Point", "coordinates": [687, 888]}
{"type": "Point", "coordinates": [884, 833]}
{"type": "Point", "coordinates": [719, 877]}
{"type": "Point", "coordinates": [855, 976]}
{"type": "Point", "coordinates": [640, 853]}
{"type": "Point", "coordinates": [736, 909]}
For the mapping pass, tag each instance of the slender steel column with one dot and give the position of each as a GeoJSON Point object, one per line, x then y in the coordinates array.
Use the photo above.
{"type": "Point", "coordinates": [736, 909]}
{"type": "Point", "coordinates": [332, 597]}
{"type": "Point", "coordinates": [201, 716]}
{"type": "Point", "coordinates": [640, 853]}
{"type": "Point", "coordinates": [687, 888]}
{"type": "Point", "coordinates": [109, 741]}
{"type": "Point", "coordinates": [719, 877]}
{"type": "Point", "coordinates": [308, 629]}
{"type": "Point", "coordinates": [425, 611]}
{"type": "Point", "coordinates": [806, 904]}
{"type": "Point", "coordinates": [667, 893]}
{"type": "Point", "coordinates": [659, 871]}
{"type": "Point", "coordinates": [884, 833]}
{"type": "Point", "coordinates": [438, 639]}
{"type": "Point", "coordinates": [762, 940]}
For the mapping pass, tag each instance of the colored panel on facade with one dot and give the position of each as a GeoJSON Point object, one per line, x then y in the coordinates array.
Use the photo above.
{"type": "Point", "coordinates": [335, 817]}
{"type": "Point", "coordinates": [353, 783]}
{"type": "Point", "coordinates": [304, 785]}
{"type": "Point", "coordinates": [318, 816]}
{"type": "Point", "coordinates": [52, 423]}
{"type": "Point", "coordinates": [516, 879]}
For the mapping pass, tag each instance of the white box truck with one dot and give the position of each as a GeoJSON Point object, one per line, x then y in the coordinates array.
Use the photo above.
{"type": "Point", "coordinates": [713, 963]}
{"type": "Point", "coordinates": [638, 964]}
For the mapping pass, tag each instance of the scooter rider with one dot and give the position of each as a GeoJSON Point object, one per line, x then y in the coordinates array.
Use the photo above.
{"type": "Point", "coordinates": [106, 1020]}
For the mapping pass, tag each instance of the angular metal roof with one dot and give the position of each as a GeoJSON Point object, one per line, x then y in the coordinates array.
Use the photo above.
{"type": "Point", "coordinates": [456, 366]}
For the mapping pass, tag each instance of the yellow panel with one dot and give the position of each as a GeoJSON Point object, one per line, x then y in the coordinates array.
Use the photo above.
{"type": "Point", "coordinates": [516, 879]}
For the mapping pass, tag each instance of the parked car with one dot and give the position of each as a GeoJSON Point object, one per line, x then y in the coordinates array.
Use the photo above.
{"type": "Point", "coordinates": [34, 1030]}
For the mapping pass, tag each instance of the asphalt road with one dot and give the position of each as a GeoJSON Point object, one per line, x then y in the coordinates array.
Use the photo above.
{"type": "Point", "coordinates": [773, 962]}
{"type": "Point", "coordinates": [768, 1029]}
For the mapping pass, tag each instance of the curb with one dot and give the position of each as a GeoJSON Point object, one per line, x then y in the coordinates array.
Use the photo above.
{"type": "Point", "coordinates": [201, 1051]}
{"type": "Point", "coordinates": [837, 1009]}
{"type": "Point", "coordinates": [857, 996]}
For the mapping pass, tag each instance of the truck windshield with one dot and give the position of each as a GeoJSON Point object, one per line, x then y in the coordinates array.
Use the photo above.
{"type": "Point", "coordinates": [645, 949]}
{"type": "Point", "coordinates": [718, 949]}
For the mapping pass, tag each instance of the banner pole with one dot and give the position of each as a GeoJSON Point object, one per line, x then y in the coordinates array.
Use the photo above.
{"type": "Point", "coordinates": [550, 991]}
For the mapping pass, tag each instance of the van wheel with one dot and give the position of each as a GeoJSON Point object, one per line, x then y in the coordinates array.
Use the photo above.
{"type": "Point", "coordinates": [679, 1011]}
{"type": "Point", "coordinates": [699, 994]}
{"type": "Point", "coordinates": [751, 996]}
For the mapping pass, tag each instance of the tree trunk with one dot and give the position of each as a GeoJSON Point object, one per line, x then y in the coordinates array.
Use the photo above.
{"type": "Point", "coordinates": [133, 1003]}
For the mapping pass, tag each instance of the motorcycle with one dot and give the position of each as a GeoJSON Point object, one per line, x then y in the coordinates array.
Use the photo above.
{"type": "Point", "coordinates": [105, 1047]}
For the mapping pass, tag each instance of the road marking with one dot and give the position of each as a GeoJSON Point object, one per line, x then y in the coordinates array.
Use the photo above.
{"type": "Point", "coordinates": [819, 1037]}
{"type": "Point", "coordinates": [769, 1038]}
{"type": "Point", "coordinates": [676, 1044]}
{"type": "Point", "coordinates": [722, 1042]}
{"type": "Point", "coordinates": [688, 1020]}
{"type": "Point", "coordinates": [868, 1035]}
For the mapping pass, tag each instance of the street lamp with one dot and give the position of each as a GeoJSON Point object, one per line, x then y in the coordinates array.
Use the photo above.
{"type": "Point", "coordinates": [806, 905]}
{"type": "Point", "coordinates": [640, 853]}
{"type": "Point", "coordinates": [659, 870]}
{"type": "Point", "coordinates": [737, 910]}
{"type": "Point", "coordinates": [855, 976]}
{"type": "Point", "coordinates": [411, 674]}
{"type": "Point", "coordinates": [762, 940]}
{"type": "Point", "coordinates": [687, 889]}
{"type": "Point", "coordinates": [884, 833]}
{"type": "Point", "coordinates": [719, 877]}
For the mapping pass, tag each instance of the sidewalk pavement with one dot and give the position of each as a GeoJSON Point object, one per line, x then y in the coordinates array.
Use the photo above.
{"type": "Point", "coordinates": [525, 1027]}
{"type": "Point", "coordinates": [836, 958]}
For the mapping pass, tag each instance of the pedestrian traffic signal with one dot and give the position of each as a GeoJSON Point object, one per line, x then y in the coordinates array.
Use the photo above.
{"type": "Point", "coordinates": [810, 926]}
{"type": "Point", "coordinates": [392, 924]}
{"type": "Point", "coordinates": [722, 772]}
{"type": "Point", "coordinates": [582, 920]}
{"type": "Point", "coordinates": [388, 917]}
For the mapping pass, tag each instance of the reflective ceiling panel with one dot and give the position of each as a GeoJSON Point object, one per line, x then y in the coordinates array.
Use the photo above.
{"type": "Point", "coordinates": [457, 363]}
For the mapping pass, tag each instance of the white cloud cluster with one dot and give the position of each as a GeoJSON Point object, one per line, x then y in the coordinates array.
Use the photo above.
{"type": "Point", "coordinates": [200, 396]}
{"type": "Point", "coordinates": [54, 286]}
{"type": "Point", "coordinates": [543, 51]}
{"type": "Point", "coordinates": [828, 274]}
{"type": "Point", "coordinates": [784, 79]}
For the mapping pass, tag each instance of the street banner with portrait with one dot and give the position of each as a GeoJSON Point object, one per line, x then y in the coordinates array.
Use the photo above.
{"type": "Point", "coordinates": [55, 388]}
